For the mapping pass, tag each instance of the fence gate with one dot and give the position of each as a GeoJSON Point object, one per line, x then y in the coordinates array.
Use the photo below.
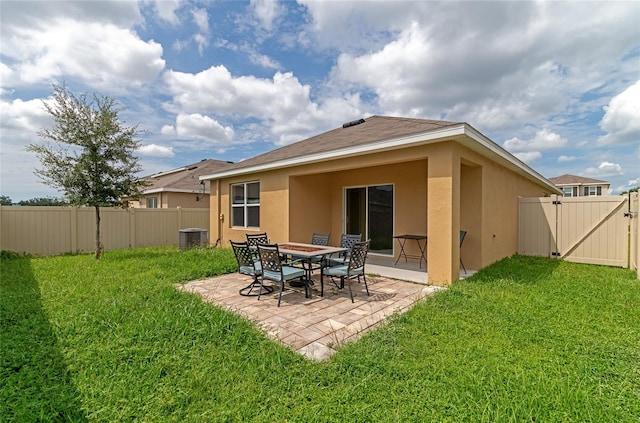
{"type": "Point", "coordinates": [591, 229]}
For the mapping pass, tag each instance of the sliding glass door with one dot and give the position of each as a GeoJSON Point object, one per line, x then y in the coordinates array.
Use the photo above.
{"type": "Point", "coordinates": [369, 211]}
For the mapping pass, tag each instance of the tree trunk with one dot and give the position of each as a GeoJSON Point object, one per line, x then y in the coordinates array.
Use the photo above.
{"type": "Point", "coordinates": [98, 243]}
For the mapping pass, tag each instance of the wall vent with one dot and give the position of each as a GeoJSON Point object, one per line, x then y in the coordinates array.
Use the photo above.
{"type": "Point", "coordinates": [352, 123]}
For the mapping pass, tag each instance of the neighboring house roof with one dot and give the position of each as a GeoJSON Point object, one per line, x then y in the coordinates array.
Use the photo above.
{"type": "Point", "coordinates": [576, 180]}
{"type": "Point", "coordinates": [376, 134]}
{"type": "Point", "coordinates": [184, 179]}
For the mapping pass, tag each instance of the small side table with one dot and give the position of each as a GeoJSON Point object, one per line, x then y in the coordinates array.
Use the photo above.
{"type": "Point", "coordinates": [402, 240]}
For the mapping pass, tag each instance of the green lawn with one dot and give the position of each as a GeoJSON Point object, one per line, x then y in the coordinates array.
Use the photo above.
{"type": "Point", "coordinates": [526, 340]}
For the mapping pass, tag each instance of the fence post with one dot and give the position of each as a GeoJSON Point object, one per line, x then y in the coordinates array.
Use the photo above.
{"type": "Point", "coordinates": [179, 217]}
{"type": "Point", "coordinates": [1, 224]}
{"type": "Point", "coordinates": [634, 232]}
{"type": "Point", "coordinates": [132, 227]}
{"type": "Point", "coordinates": [73, 217]}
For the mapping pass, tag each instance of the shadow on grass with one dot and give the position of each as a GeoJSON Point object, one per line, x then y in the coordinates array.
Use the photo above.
{"type": "Point", "coordinates": [36, 382]}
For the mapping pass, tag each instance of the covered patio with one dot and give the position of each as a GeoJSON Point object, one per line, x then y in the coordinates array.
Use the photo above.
{"type": "Point", "coordinates": [409, 271]}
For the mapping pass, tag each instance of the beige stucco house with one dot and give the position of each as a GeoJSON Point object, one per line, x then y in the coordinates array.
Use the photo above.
{"type": "Point", "coordinates": [180, 187]}
{"type": "Point", "coordinates": [383, 176]}
{"type": "Point", "coordinates": [579, 186]}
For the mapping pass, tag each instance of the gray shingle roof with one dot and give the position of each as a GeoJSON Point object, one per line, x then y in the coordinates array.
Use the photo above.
{"type": "Point", "coordinates": [374, 128]}
{"type": "Point", "coordinates": [378, 133]}
{"type": "Point", "coordinates": [185, 178]}
{"type": "Point", "coordinates": [575, 180]}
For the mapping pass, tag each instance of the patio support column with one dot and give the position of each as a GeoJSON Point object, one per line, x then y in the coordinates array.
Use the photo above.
{"type": "Point", "coordinates": [443, 214]}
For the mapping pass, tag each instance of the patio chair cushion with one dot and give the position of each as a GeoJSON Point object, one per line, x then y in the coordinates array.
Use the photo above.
{"type": "Point", "coordinates": [338, 261]}
{"type": "Point", "coordinates": [343, 271]}
{"type": "Point", "coordinates": [249, 270]}
{"type": "Point", "coordinates": [288, 273]}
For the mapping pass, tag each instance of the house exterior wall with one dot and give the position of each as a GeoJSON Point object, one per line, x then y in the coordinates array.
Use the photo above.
{"type": "Point", "coordinates": [579, 189]}
{"type": "Point", "coordinates": [171, 200]}
{"type": "Point", "coordinates": [439, 189]}
{"type": "Point", "coordinates": [471, 213]}
{"type": "Point", "coordinates": [501, 191]}
{"type": "Point", "coordinates": [315, 196]}
{"type": "Point", "coordinates": [185, 199]}
{"type": "Point", "coordinates": [489, 208]}
{"type": "Point", "coordinates": [274, 207]}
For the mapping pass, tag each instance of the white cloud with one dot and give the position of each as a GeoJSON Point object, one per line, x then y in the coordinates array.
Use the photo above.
{"type": "Point", "coordinates": [101, 55]}
{"type": "Point", "coordinates": [20, 14]}
{"type": "Point", "coordinates": [632, 183]}
{"type": "Point", "coordinates": [530, 150]}
{"type": "Point", "coordinates": [166, 10]}
{"type": "Point", "coordinates": [621, 119]}
{"type": "Point", "coordinates": [216, 90]}
{"type": "Point", "coordinates": [6, 76]}
{"type": "Point", "coordinates": [543, 140]}
{"type": "Point", "coordinates": [201, 19]}
{"type": "Point", "coordinates": [281, 104]}
{"type": "Point", "coordinates": [529, 156]}
{"type": "Point", "coordinates": [154, 150]}
{"type": "Point", "coordinates": [263, 60]}
{"type": "Point", "coordinates": [197, 126]}
{"type": "Point", "coordinates": [563, 158]}
{"type": "Point", "coordinates": [266, 11]}
{"type": "Point", "coordinates": [21, 120]}
{"type": "Point", "coordinates": [353, 25]}
{"type": "Point", "coordinates": [604, 169]}
{"type": "Point", "coordinates": [499, 66]}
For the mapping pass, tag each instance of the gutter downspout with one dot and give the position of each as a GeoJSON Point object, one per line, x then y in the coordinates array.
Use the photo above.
{"type": "Point", "coordinates": [219, 211]}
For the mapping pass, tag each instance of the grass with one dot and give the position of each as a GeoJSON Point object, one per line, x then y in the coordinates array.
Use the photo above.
{"type": "Point", "coordinates": [526, 339]}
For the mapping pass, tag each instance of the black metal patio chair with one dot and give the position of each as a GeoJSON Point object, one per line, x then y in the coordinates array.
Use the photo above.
{"type": "Point", "coordinates": [254, 239]}
{"type": "Point", "coordinates": [319, 238]}
{"type": "Point", "coordinates": [346, 241]}
{"type": "Point", "coordinates": [273, 270]}
{"type": "Point", "coordinates": [247, 265]}
{"type": "Point", "coordinates": [463, 234]}
{"type": "Point", "coordinates": [351, 270]}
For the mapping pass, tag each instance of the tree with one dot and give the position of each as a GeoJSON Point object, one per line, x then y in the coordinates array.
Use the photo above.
{"type": "Point", "coordinates": [5, 200]}
{"type": "Point", "coordinates": [92, 157]}
{"type": "Point", "coordinates": [43, 201]}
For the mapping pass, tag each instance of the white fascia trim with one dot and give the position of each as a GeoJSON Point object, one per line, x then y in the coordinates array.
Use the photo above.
{"type": "Point", "coordinates": [393, 143]}
{"type": "Point", "coordinates": [168, 172]}
{"type": "Point", "coordinates": [159, 190]}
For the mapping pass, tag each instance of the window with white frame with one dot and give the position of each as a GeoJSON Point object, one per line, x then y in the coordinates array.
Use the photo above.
{"type": "Point", "coordinates": [152, 202]}
{"type": "Point", "coordinates": [570, 191]}
{"type": "Point", "coordinates": [593, 190]}
{"type": "Point", "coordinates": [245, 205]}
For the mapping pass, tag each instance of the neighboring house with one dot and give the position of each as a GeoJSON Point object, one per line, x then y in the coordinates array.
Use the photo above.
{"type": "Point", "coordinates": [383, 176]}
{"type": "Point", "coordinates": [578, 186]}
{"type": "Point", "coordinates": [179, 187]}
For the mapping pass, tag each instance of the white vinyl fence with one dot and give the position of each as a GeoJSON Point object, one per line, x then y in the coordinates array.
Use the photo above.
{"type": "Point", "coordinates": [597, 230]}
{"type": "Point", "coordinates": [57, 230]}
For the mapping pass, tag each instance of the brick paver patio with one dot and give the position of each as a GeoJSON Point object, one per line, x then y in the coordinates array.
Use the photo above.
{"type": "Point", "coordinates": [314, 327]}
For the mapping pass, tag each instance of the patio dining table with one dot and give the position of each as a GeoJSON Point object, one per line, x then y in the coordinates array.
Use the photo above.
{"type": "Point", "coordinates": [307, 253]}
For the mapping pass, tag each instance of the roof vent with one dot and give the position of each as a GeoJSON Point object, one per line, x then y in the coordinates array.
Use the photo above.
{"type": "Point", "coordinates": [353, 123]}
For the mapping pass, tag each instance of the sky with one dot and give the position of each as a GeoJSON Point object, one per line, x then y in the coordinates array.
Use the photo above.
{"type": "Point", "coordinates": [557, 84]}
